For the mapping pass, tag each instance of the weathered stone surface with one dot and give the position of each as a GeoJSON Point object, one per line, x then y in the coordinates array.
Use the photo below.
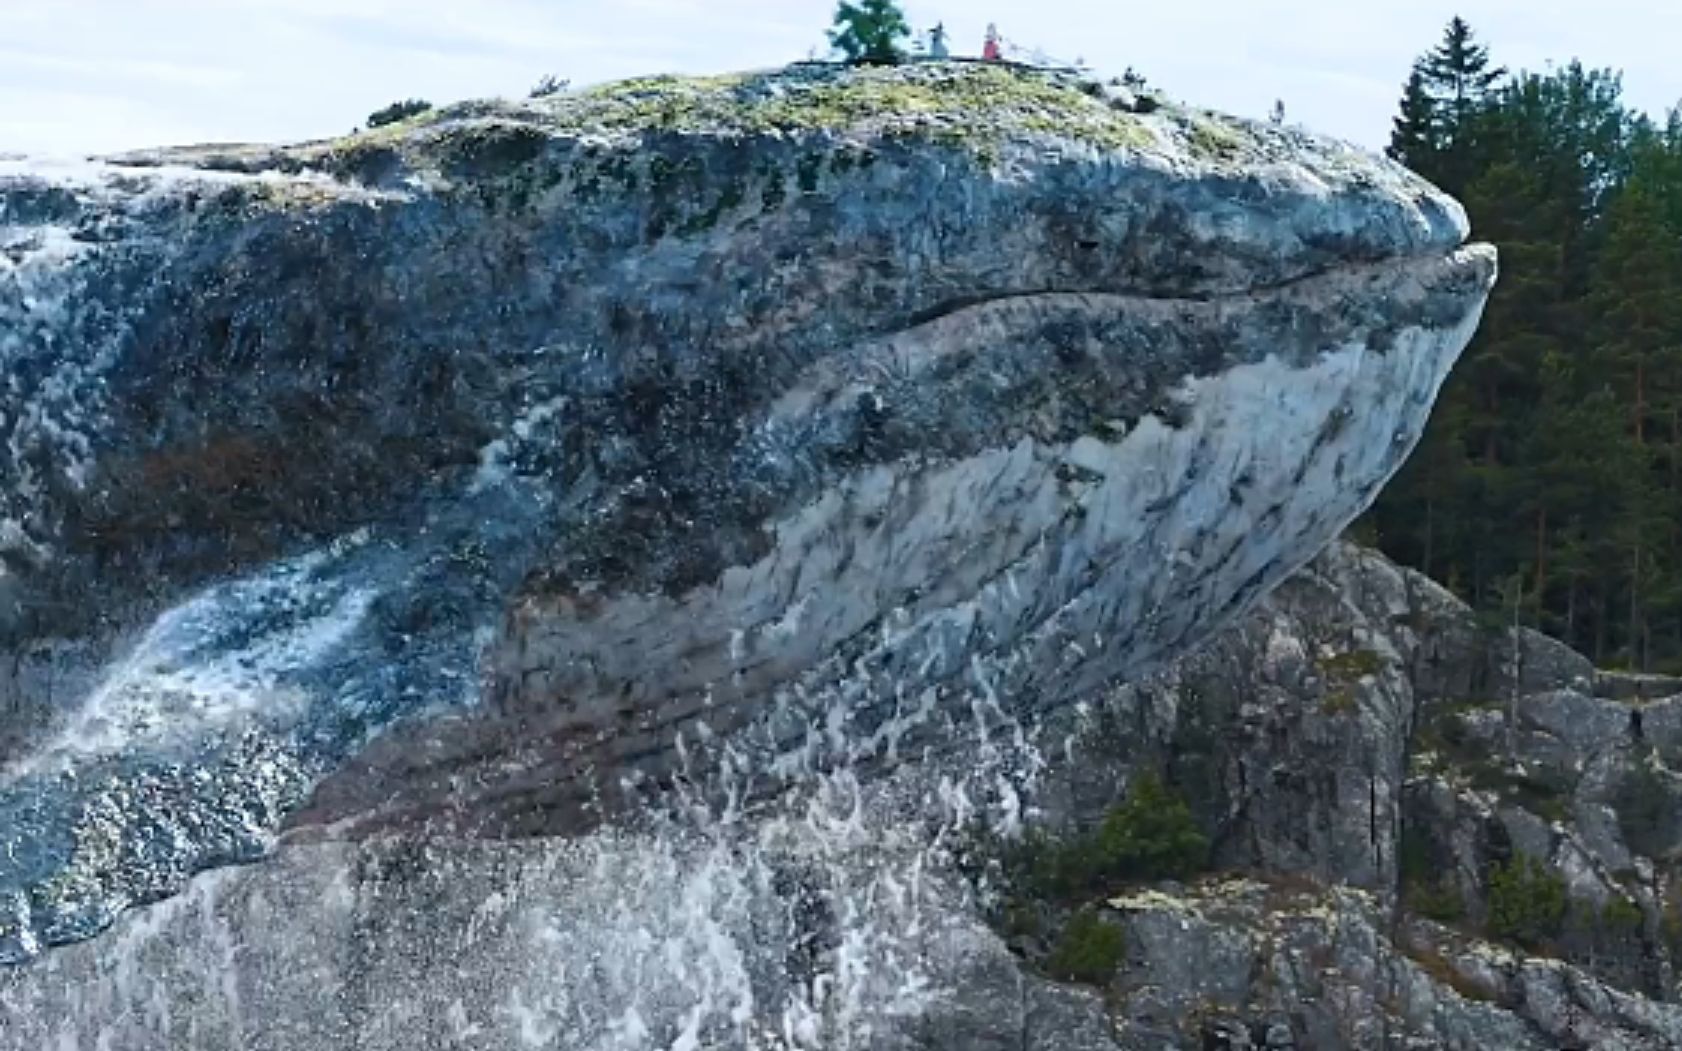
{"type": "Point", "coordinates": [541, 443]}
{"type": "Point", "coordinates": [1290, 732]}
{"type": "Point", "coordinates": [1396, 773]}
{"type": "Point", "coordinates": [1237, 964]}
{"type": "Point", "coordinates": [805, 931]}
{"type": "Point", "coordinates": [484, 945]}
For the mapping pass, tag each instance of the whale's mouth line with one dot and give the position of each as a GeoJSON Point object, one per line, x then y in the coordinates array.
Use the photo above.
{"type": "Point", "coordinates": [1168, 296]}
{"type": "Point", "coordinates": [978, 324]}
{"type": "Point", "coordinates": [337, 811]}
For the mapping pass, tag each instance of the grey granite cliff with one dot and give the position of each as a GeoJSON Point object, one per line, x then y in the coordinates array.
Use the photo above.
{"type": "Point", "coordinates": [527, 465]}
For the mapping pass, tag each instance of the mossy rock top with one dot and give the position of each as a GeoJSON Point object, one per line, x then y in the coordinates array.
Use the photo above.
{"type": "Point", "coordinates": [988, 109]}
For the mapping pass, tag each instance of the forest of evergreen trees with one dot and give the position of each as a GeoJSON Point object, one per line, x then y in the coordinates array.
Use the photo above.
{"type": "Point", "coordinates": [1548, 485]}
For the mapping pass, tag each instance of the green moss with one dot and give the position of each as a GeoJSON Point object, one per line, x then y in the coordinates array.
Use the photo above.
{"type": "Point", "coordinates": [1209, 136]}
{"type": "Point", "coordinates": [1350, 667]}
{"type": "Point", "coordinates": [1342, 672]}
{"type": "Point", "coordinates": [1090, 950]}
{"type": "Point", "coordinates": [495, 149]}
{"type": "Point", "coordinates": [978, 109]}
{"type": "Point", "coordinates": [965, 102]}
{"type": "Point", "coordinates": [1340, 701]}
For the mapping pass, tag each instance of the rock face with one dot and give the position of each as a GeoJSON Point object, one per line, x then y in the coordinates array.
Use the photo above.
{"type": "Point", "coordinates": [1336, 810]}
{"type": "Point", "coordinates": [1346, 747]}
{"type": "Point", "coordinates": [490, 471]}
{"type": "Point", "coordinates": [601, 942]}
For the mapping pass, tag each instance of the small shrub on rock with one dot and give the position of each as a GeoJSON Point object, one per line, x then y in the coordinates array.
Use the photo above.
{"type": "Point", "coordinates": [1439, 901]}
{"type": "Point", "coordinates": [1151, 835]}
{"type": "Point", "coordinates": [398, 111]}
{"type": "Point", "coordinates": [1090, 950]}
{"type": "Point", "coordinates": [1527, 902]}
{"type": "Point", "coordinates": [1621, 917]}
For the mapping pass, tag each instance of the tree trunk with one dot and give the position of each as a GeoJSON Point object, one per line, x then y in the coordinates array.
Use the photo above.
{"type": "Point", "coordinates": [1600, 618]}
{"type": "Point", "coordinates": [1637, 660]}
{"type": "Point", "coordinates": [1640, 400]}
{"type": "Point", "coordinates": [1571, 610]}
{"type": "Point", "coordinates": [1675, 444]}
{"type": "Point", "coordinates": [1490, 449]}
{"type": "Point", "coordinates": [1516, 672]}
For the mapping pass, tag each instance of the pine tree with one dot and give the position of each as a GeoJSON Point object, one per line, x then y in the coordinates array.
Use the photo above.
{"type": "Point", "coordinates": [1435, 132]}
{"type": "Point", "coordinates": [1458, 73]}
{"type": "Point", "coordinates": [1413, 138]}
{"type": "Point", "coordinates": [1552, 465]}
{"type": "Point", "coordinates": [870, 31]}
{"type": "Point", "coordinates": [1636, 309]}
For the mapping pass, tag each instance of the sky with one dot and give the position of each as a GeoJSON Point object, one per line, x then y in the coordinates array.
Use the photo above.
{"type": "Point", "coordinates": [90, 76]}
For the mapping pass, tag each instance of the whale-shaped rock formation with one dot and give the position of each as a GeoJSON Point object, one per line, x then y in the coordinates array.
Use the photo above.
{"type": "Point", "coordinates": [492, 471]}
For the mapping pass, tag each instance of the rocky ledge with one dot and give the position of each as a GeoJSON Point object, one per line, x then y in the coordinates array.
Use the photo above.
{"type": "Point", "coordinates": [490, 472]}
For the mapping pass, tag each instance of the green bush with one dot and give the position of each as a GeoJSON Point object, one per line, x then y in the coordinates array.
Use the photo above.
{"type": "Point", "coordinates": [1439, 901]}
{"type": "Point", "coordinates": [1620, 916]}
{"type": "Point", "coordinates": [1090, 950]}
{"type": "Point", "coordinates": [1527, 901]}
{"type": "Point", "coordinates": [870, 31]}
{"type": "Point", "coordinates": [1151, 835]}
{"type": "Point", "coordinates": [398, 111]}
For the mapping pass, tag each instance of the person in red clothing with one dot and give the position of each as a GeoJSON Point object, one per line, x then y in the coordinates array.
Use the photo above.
{"type": "Point", "coordinates": [990, 50]}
